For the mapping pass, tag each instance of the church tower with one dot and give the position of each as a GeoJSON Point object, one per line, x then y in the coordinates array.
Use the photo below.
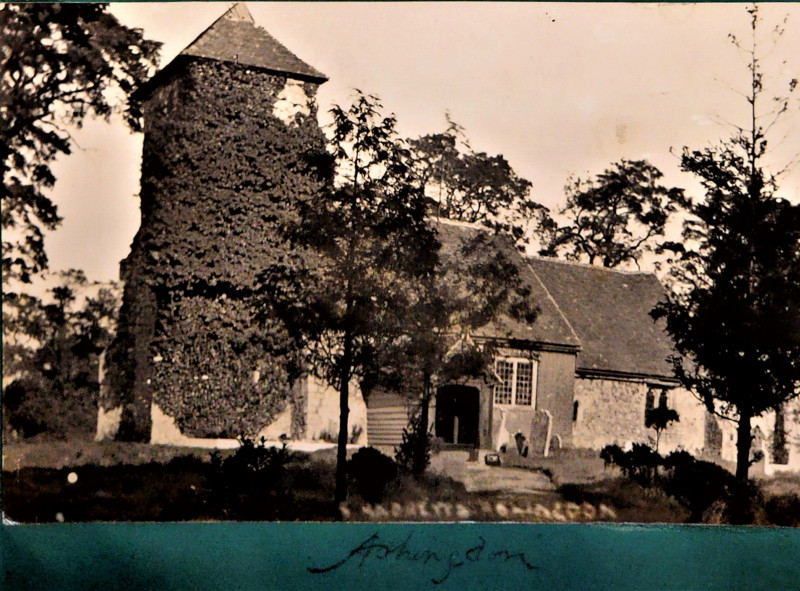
{"type": "Point", "coordinates": [230, 138]}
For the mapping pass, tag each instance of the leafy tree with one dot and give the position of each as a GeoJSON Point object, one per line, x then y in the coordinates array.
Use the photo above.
{"type": "Point", "coordinates": [659, 418]}
{"type": "Point", "coordinates": [476, 281]}
{"type": "Point", "coordinates": [414, 452]}
{"type": "Point", "coordinates": [469, 186]}
{"type": "Point", "coordinates": [733, 309]}
{"type": "Point", "coordinates": [53, 351]}
{"type": "Point", "coordinates": [366, 240]}
{"type": "Point", "coordinates": [613, 218]}
{"type": "Point", "coordinates": [59, 63]}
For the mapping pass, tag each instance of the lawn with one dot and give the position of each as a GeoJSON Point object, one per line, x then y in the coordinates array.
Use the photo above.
{"type": "Point", "coordinates": [89, 481]}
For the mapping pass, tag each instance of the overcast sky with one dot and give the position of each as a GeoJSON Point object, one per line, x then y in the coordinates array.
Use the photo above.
{"type": "Point", "coordinates": [556, 88]}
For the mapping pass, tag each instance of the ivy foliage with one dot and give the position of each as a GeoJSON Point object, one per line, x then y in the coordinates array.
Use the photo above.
{"type": "Point", "coordinates": [221, 175]}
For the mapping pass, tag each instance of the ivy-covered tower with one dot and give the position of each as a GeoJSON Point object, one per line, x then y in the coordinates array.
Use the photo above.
{"type": "Point", "coordinates": [231, 139]}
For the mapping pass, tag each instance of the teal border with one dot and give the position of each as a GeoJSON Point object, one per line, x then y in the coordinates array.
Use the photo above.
{"type": "Point", "coordinates": [257, 556]}
{"type": "Point", "coordinates": [277, 556]}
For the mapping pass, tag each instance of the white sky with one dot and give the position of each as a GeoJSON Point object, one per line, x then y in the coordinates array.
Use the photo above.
{"type": "Point", "coordinates": [555, 88]}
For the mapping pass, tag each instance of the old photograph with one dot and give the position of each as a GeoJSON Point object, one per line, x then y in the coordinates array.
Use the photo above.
{"type": "Point", "coordinates": [401, 262]}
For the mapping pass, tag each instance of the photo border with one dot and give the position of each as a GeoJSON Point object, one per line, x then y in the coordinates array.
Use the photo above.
{"type": "Point", "coordinates": [259, 556]}
{"type": "Point", "coordinates": [279, 555]}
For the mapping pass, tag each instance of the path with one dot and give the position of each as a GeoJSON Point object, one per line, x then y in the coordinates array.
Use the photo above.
{"type": "Point", "coordinates": [478, 477]}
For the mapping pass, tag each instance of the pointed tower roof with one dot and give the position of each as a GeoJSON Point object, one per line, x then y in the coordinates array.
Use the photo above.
{"type": "Point", "coordinates": [235, 37]}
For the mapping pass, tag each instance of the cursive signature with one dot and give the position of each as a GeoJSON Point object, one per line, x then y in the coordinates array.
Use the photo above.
{"type": "Point", "coordinates": [442, 563]}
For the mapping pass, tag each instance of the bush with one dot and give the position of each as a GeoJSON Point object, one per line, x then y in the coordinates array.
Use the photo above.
{"type": "Point", "coordinates": [710, 492]}
{"type": "Point", "coordinates": [372, 472]}
{"type": "Point", "coordinates": [328, 436]}
{"type": "Point", "coordinates": [42, 407]}
{"type": "Point", "coordinates": [251, 476]}
{"type": "Point", "coordinates": [697, 484]}
{"type": "Point", "coordinates": [640, 464]}
{"type": "Point", "coordinates": [414, 453]}
{"type": "Point", "coordinates": [784, 510]}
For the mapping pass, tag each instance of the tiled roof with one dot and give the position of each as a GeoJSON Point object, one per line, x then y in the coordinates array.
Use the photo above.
{"type": "Point", "coordinates": [234, 37]}
{"type": "Point", "coordinates": [610, 312]}
{"type": "Point", "coordinates": [601, 313]}
{"type": "Point", "coordinates": [550, 327]}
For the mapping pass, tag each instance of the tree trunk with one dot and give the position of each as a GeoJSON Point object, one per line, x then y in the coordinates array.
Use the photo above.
{"type": "Point", "coordinates": [427, 392]}
{"type": "Point", "coordinates": [344, 413]}
{"type": "Point", "coordinates": [743, 441]}
{"type": "Point", "coordinates": [422, 450]}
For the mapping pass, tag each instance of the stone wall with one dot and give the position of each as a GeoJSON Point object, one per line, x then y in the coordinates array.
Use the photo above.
{"type": "Point", "coordinates": [555, 391]}
{"type": "Point", "coordinates": [689, 433]}
{"type": "Point", "coordinates": [613, 411]}
{"type": "Point", "coordinates": [608, 412]}
{"type": "Point", "coordinates": [164, 431]}
{"type": "Point", "coordinates": [763, 428]}
{"type": "Point", "coordinates": [322, 411]}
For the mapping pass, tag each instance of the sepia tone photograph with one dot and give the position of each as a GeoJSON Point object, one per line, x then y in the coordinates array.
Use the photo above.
{"type": "Point", "coordinates": [401, 262]}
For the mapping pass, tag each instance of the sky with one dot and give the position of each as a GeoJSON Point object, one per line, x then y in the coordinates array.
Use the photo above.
{"type": "Point", "coordinates": [559, 89]}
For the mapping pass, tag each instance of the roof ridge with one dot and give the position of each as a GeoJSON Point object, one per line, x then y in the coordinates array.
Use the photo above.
{"type": "Point", "coordinates": [555, 304]}
{"type": "Point", "coordinates": [236, 37]}
{"type": "Point", "coordinates": [586, 265]}
{"type": "Point", "coordinates": [458, 223]}
{"type": "Point", "coordinates": [241, 10]}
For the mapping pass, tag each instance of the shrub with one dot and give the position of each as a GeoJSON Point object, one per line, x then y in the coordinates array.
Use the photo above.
{"type": "Point", "coordinates": [256, 460]}
{"type": "Point", "coordinates": [612, 455]}
{"type": "Point", "coordinates": [44, 407]}
{"type": "Point", "coordinates": [659, 418]}
{"type": "Point", "coordinates": [414, 453]}
{"type": "Point", "coordinates": [18, 412]}
{"type": "Point", "coordinates": [249, 476]}
{"type": "Point", "coordinates": [639, 464]}
{"type": "Point", "coordinates": [710, 492]}
{"type": "Point", "coordinates": [784, 510]}
{"type": "Point", "coordinates": [372, 472]}
{"type": "Point", "coordinates": [696, 484]}
{"type": "Point", "coordinates": [328, 436]}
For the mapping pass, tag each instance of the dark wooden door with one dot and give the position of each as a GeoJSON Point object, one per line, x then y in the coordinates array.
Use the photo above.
{"type": "Point", "coordinates": [457, 410]}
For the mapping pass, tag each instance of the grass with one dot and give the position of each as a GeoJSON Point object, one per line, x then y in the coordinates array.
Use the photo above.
{"type": "Point", "coordinates": [782, 499]}
{"type": "Point", "coordinates": [631, 502]}
{"type": "Point", "coordinates": [79, 452]}
{"type": "Point", "coordinates": [565, 466]}
{"type": "Point", "coordinates": [139, 482]}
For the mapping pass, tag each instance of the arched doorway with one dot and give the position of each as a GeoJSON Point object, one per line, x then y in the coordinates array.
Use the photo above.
{"type": "Point", "coordinates": [457, 410]}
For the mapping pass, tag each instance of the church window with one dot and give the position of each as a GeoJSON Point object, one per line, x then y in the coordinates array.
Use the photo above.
{"type": "Point", "coordinates": [517, 386]}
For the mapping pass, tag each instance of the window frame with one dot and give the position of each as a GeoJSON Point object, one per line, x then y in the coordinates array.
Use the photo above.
{"type": "Point", "coordinates": [515, 362]}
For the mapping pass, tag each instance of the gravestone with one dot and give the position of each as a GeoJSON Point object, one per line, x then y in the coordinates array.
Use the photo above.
{"type": "Point", "coordinates": [541, 430]}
